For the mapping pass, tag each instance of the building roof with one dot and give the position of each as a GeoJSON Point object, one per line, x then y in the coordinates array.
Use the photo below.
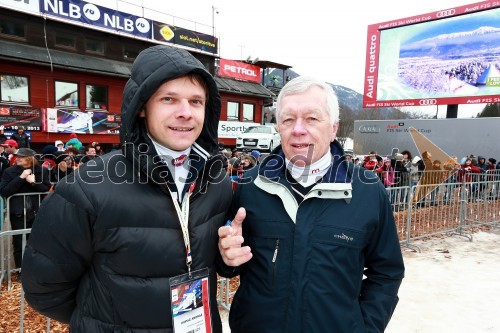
{"type": "Point", "coordinates": [243, 87]}
{"type": "Point", "coordinates": [78, 62]}
{"type": "Point", "coordinates": [271, 64]}
{"type": "Point", "coordinates": [65, 60]}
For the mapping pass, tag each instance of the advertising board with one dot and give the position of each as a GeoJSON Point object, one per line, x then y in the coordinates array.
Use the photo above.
{"type": "Point", "coordinates": [455, 136]}
{"type": "Point", "coordinates": [450, 56]}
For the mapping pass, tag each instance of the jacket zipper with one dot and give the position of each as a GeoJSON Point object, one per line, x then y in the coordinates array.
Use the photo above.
{"type": "Point", "coordinates": [275, 257]}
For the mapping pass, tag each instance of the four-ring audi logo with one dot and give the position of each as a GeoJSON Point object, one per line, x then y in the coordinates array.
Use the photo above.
{"type": "Point", "coordinates": [445, 13]}
{"type": "Point", "coordinates": [427, 102]}
{"type": "Point", "coordinates": [369, 129]}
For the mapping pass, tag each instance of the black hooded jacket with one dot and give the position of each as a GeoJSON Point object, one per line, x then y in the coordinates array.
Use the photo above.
{"type": "Point", "coordinates": [108, 239]}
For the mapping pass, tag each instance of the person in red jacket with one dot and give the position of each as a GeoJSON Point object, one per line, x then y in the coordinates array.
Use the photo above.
{"type": "Point", "coordinates": [465, 176]}
{"type": "Point", "coordinates": [466, 170]}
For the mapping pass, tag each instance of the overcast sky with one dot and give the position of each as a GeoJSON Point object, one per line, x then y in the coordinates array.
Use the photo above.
{"type": "Point", "coordinates": [321, 38]}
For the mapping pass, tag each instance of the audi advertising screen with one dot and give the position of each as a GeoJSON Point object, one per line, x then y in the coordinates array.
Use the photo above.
{"type": "Point", "coordinates": [446, 57]}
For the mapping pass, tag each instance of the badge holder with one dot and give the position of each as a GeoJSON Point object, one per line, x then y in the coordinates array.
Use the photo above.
{"type": "Point", "coordinates": [190, 299]}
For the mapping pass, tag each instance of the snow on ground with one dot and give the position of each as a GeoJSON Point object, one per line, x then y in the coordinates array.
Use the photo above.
{"type": "Point", "coordinates": [452, 285]}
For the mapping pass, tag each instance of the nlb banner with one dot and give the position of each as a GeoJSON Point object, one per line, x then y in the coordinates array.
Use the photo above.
{"type": "Point", "coordinates": [84, 12]}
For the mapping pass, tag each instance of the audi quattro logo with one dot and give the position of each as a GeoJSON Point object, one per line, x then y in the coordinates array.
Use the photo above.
{"type": "Point", "coordinates": [427, 102]}
{"type": "Point", "coordinates": [445, 13]}
{"type": "Point", "coordinates": [369, 129]}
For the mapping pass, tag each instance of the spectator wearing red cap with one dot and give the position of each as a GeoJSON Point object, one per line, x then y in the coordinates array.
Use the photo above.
{"type": "Point", "coordinates": [10, 149]}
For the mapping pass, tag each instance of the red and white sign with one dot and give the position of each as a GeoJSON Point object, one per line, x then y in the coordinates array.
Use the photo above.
{"type": "Point", "coordinates": [239, 70]}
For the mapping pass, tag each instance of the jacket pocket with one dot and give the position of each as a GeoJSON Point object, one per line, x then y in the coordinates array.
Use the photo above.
{"type": "Point", "coordinates": [275, 261]}
{"type": "Point", "coordinates": [339, 236]}
{"type": "Point", "coordinates": [267, 256]}
{"type": "Point", "coordinates": [338, 251]}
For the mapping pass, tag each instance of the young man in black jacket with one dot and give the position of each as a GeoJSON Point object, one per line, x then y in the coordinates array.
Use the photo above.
{"type": "Point", "coordinates": [128, 241]}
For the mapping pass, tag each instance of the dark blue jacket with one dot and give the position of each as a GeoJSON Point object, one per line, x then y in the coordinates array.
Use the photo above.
{"type": "Point", "coordinates": [306, 274]}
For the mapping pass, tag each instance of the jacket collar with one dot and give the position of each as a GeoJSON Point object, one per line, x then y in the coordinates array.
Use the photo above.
{"type": "Point", "coordinates": [273, 166]}
{"type": "Point", "coordinates": [151, 168]}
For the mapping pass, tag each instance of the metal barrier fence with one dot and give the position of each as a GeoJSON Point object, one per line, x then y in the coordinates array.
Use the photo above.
{"type": "Point", "coordinates": [449, 207]}
{"type": "Point", "coordinates": [225, 293]}
{"type": "Point", "coordinates": [7, 236]}
{"type": "Point", "coordinates": [419, 211]}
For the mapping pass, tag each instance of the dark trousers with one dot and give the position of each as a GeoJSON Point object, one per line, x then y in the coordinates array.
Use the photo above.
{"type": "Point", "coordinates": [17, 223]}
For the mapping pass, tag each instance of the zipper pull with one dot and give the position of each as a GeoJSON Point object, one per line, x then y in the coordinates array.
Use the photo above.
{"type": "Point", "coordinates": [276, 250]}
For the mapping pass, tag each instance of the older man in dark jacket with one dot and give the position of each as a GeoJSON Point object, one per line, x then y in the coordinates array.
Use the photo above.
{"type": "Point", "coordinates": [112, 249]}
{"type": "Point", "coordinates": [315, 225]}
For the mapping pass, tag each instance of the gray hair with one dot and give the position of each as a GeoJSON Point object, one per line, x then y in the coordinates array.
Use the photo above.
{"type": "Point", "coordinates": [303, 83]}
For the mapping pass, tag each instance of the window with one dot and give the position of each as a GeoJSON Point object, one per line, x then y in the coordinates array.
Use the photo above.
{"type": "Point", "coordinates": [94, 45]}
{"type": "Point", "coordinates": [65, 41]}
{"type": "Point", "coordinates": [66, 94]}
{"type": "Point", "coordinates": [96, 97]}
{"type": "Point", "coordinates": [233, 111]}
{"type": "Point", "coordinates": [248, 112]}
{"type": "Point", "coordinates": [14, 88]}
{"type": "Point", "coordinates": [12, 28]}
{"type": "Point", "coordinates": [130, 52]}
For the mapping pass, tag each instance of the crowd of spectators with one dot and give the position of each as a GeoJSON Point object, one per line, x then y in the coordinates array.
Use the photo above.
{"type": "Point", "coordinates": [403, 169]}
{"type": "Point", "coordinates": [59, 158]}
{"type": "Point", "coordinates": [26, 171]}
{"type": "Point", "coordinates": [237, 162]}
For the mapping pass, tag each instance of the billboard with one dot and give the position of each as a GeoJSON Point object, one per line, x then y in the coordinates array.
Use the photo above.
{"type": "Point", "coordinates": [239, 70]}
{"type": "Point", "coordinates": [450, 56]}
{"type": "Point", "coordinates": [88, 13]}
{"type": "Point", "coordinates": [168, 33]}
{"type": "Point", "coordinates": [31, 6]}
{"type": "Point", "coordinates": [13, 116]}
{"type": "Point", "coordinates": [232, 129]}
{"type": "Point", "coordinates": [451, 135]}
{"type": "Point", "coordinates": [76, 121]}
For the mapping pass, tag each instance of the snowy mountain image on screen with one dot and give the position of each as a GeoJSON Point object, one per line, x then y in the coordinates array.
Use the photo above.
{"type": "Point", "coordinates": [455, 44]}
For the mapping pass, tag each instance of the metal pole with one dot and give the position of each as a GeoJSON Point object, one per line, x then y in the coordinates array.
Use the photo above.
{"type": "Point", "coordinates": [213, 22]}
{"type": "Point", "coordinates": [214, 11]}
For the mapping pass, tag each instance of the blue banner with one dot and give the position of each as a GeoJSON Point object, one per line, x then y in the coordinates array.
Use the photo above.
{"type": "Point", "coordinates": [91, 14]}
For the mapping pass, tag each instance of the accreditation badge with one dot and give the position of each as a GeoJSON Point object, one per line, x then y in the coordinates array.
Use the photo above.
{"type": "Point", "coordinates": [190, 301]}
